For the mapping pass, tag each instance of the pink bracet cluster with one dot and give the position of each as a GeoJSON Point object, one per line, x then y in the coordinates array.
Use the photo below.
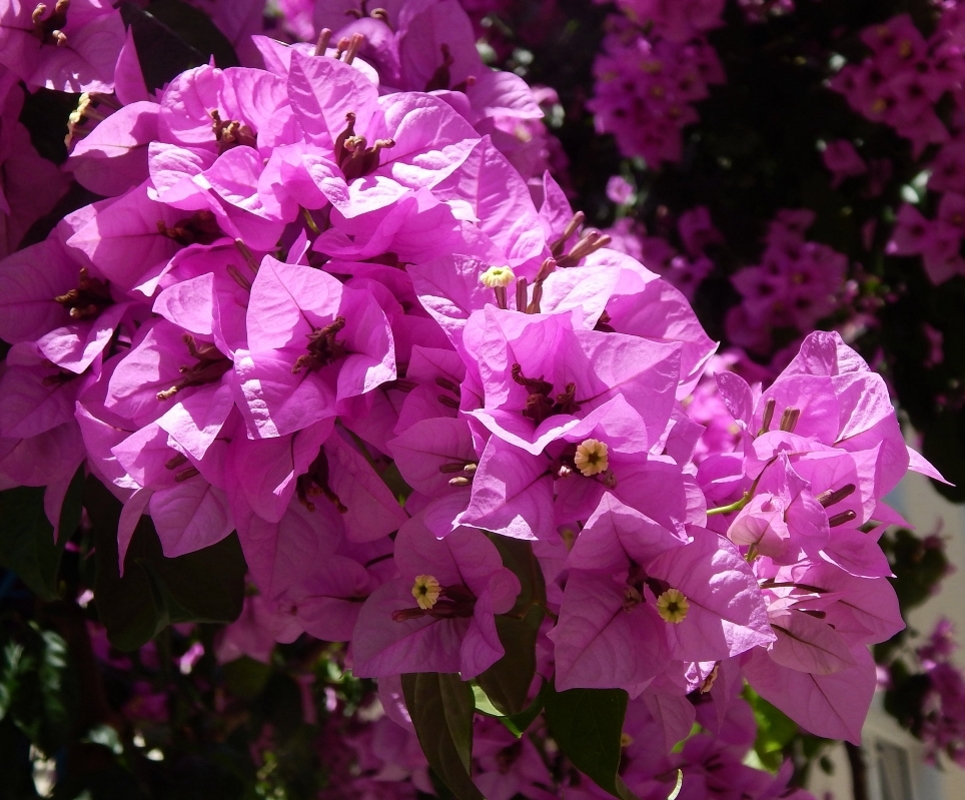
{"type": "Point", "coordinates": [905, 75]}
{"type": "Point", "coordinates": [674, 20]}
{"type": "Point", "coordinates": [900, 85]}
{"type": "Point", "coordinates": [943, 705]}
{"type": "Point", "coordinates": [646, 83]}
{"type": "Point", "coordinates": [331, 317]}
{"type": "Point", "coordinates": [796, 284]}
{"type": "Point", "coordinates": [937, 240]}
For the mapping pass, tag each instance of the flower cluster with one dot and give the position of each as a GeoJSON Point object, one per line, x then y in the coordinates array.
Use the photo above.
{"type": "Point", "coordinates": [815, 524]}
{"type": "Point", "coordinates": [320, 306]}
{"type": "Point", "coordinates": [674, 21]}
{"type": "Point", "coordinates": [646, 83]}
{"type": "Point", "coordinates": [905, 76]}
{"type": "Point", "coordinates": [796, 284]}
{"type": "Point", "coordinates": [900, 85]}
{"type": "Point", "coordinates": [942, 723]}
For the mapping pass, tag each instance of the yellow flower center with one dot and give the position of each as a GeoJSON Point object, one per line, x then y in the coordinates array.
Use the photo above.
{"type": "Point", "coordinates": [426, 591]}
{"type": "Point", "coordinates": [497, 277]}
{"type": "Point", "coordinates": [672, 606]}
{"type": "Point", "coordinates": [591, 457]}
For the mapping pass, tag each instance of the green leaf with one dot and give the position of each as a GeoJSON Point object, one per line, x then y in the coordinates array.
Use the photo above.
{"type": "Point", "coordinates": [441, 707]}
{"type": "Point", "coordinates": [245, 677]}
{"type": "Point", "coordinates": [774, 730]}
{"type": "Point", "coordinates": [205, 586]}
{"type": "Point", "coordinates": [943, 445]}
{"type": "Point", "coordinates": [38, 690]}
{"type": "Point", "coordinates": [171, 36]}
{"type": "Point", "coordinates": [105, 736]}
{"type": "Point", "coordinates": [27, 543]}
{"type": "Point", "coordinates": [587, 724]}
{"type": "Point", "coordinates": [392, 478]}
{"type": "Point", "coordinates": [508, 681]}
{"type": "Point", "coordinates": [281, 705]}
{"type": "Point", "coordinates": [10, 660]}
{"type": "Point", "coordinates": [515, 723]}
{"type": "Point", "coordinates": [73, 506]}
{"type": "Point", "coordinates": [483, 704]}
{"type": "Point", "coordinates": [518, 723]}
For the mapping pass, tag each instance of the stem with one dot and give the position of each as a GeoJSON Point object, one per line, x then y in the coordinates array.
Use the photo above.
{"type": "Point", "coordinates": [739, 504]}
{"type": "Point", "coordinates": [310, 222]}
{"type": "Point", "coordinates": [735, 506]}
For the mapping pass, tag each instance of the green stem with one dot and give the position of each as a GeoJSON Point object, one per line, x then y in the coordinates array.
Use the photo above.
{"type": "Point", "coordinates": [735, 506]}
{"type": "Point", "coordinates": [309, 221]}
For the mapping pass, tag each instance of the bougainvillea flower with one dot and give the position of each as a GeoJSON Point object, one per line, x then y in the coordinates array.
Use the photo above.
{"type": "Point", "coordinates": [71, 46]}
{"type": "Point", "coordinates": [438, 614]}
{"type": "Point", "coordinates": [312, 342]}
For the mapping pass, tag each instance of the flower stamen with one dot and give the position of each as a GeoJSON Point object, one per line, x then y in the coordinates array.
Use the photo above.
{"type": "Point", "coordinates": [672, 606]}
{"type": "Point", "coordinates": [497, 279]}
{"type": "Point", "coordinates": [426, 591]}
{"type": "Point", "coordinates": [591, 457]}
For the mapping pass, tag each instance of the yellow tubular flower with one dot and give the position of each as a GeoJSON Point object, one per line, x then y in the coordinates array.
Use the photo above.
{"type": "Point", "coordinates": [672, 606]}
{"type": "Point", "coordinates": [591, 457]}
{"type": "Point", "coordinates": [497, 277]}
{"type": "Point", "coordinates": [426, 591]}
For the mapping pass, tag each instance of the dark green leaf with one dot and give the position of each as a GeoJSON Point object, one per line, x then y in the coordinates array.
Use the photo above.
{"type": "Point", "coordinates": [37, 687]}
{"type": "Point", "coordinates": [171, 36]}
{"type": "Point", "coordinates": [518, 556]}
{"type": "Point", "coordinates": [73, 506]}
{"type": "Point", "coordinates": [587, 724]}
{"type": "Point", "coordinates": [441, 706]}
{"type": "Point", "coordinates": [246, 677]}
{"type": "Point", "coordinates": [919, 566]}
{"type": "Point", "coordinates": [396, 483]}
{"type": "Point", "coordinates": [508, 681]}
{"type": "Point", "coordinates": [518, 723]}
{"type": "Point", "coordinates": [942, 444]}
{"type": "Point", "coordinates": [205, 586]}
{"type": "Point", "coordinates": [281, 705]}
{"type": "Point", "coordinates": [27, 540]}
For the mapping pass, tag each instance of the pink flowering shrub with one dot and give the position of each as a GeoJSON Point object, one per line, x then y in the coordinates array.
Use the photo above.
{"type": "Point", "coordinates": [333, 339]}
